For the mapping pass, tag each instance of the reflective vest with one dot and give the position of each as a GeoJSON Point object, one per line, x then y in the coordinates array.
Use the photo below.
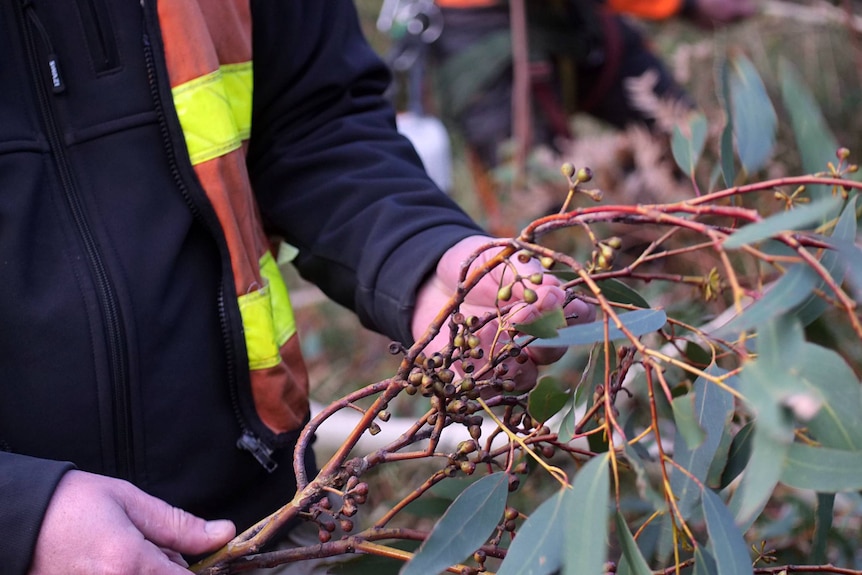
{"type": "Point", "coordinates": [208, 50]}
{"type": "Point", "coordinates": [653, 9]}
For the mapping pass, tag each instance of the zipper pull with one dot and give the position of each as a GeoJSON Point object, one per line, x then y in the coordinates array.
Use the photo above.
{"type": "Point", "coordinates": [57, 84]}
{"type": "Point", "coordinates": [260, 451]}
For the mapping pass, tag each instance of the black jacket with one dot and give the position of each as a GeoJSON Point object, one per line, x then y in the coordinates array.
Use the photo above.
{"type": "Point", "coordinates": [119, 353]}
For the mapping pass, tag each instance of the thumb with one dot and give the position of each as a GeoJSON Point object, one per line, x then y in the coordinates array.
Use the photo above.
{"type": "Point", "coordinates": [172, 528]}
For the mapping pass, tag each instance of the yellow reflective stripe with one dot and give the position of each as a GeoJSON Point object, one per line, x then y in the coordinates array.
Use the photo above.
{"type": "Point", "coordinates": [267, 317]}
{"type": "Point", "coordinates": [256, 310]}
{"type": "Point", "coordinates": [215, 111]}
{"type": "Point", "coordinates": [282, 311]}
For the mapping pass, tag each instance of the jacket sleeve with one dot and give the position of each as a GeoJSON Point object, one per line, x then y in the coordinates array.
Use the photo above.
{"type": "Point", "coordinates": [331, 174]}
{"type": "Point", "coordinates": [27, 485]}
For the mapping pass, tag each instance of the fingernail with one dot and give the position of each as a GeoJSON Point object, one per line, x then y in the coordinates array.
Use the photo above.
{"type": "Point", "coordinates": [551, 300]}
{"type": "Point", "coordinates": [219, 529]}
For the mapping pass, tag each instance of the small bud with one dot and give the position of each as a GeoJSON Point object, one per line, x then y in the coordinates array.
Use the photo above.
{"type": "Point", "coordinates": [510, 514]}
{"type": "Point", "coordinates": [475, 431]}
{"type": "Point", "coordinates": [530, 296]}
{"type": "Point", "coordinates": [547, 262]}
{"type": "Point", "coordinates": [505, 293]}
{"type": "Point", "coordinates": [842, 153]}
{"type": "Point", "coordinates": [373, 429]}
{"type": "Point", "coordinates": [446, 375]}
{"type": "Point", "coordinates": [324, 536]}
{"type": "Point", "coordinates": [536, 278]}
{"type": "Point", "coordinates": [568, 169]}
{"type": "Point", "coordinates": [468, 467]}
{"type": "Point", "coordinates": [615, 242]}
{"type": "Point", "coordinates": [384, 415]}
{"type": "Point", "coordinates": [584, 175]}
{"type": "Point", "coordinates": [346, 525]}
{"type": "Point", "coordinates": [473, 341]}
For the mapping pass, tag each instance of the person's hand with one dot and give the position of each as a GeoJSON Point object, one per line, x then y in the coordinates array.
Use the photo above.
{"type": "Point", "coordinates": [96, 524]}
{"type": "Point", "coordinates": [441, 285]}
{"type": "Point", "coordinates": [708, 13]}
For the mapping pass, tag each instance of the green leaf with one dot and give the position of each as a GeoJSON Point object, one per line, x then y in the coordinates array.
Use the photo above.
{"type": "Point", "coordinates": [728, 166]}
{"type": "Point", "coordinates": [788, 292]}
{"type": "Point", "coordinates": [726, 541]}
{"type": "Point", "coordinates": [704, 562]}
{"type": "Point", "coordinates": [754, 118]}
{"type": "Point", "coordinates": [815, 141]}
{"type": "Point", "coordinates": [642, 481]}
{"type": "Point", "coordinates": [632, 560]}
{"type": "Point", "coordinates": [738, 456]}
{"type": "Point", "coordinates": [686, 425]}
{"type": "Point", "coordinates": [545, 326]}
{"type": "Point", "coordinates": [762, 474]}
{"type": "Point", "coordinates": [804, 216]}
{"type": "Point", "coordinates": [844, 232]}
{"type": "Point", "coordinates": [538, 548]}
{"type": "Point", "coordinates": [639, 322]}
{"type": "Point", "coordinates": [688, 141]}
{"type": "Point", "coordinates": [822, 527]}
{"type": "Point", "coordinates": [822, 469]}
{"type": "Point", "coordinates": [547, 398]}
{"type": "Point", "coordinates": [585, 539]}
{"type": "Point", "coordinates": [567, 425]}
{"type": "Point", "coordinates": [713, 409]}
{"type": "Point", "coordinates": [466, 526]}
{"type": "Point", "coordinates": [617, 291]}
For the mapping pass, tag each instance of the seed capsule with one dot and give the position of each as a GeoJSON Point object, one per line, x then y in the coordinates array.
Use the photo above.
{"type": "Point", "coordinates": [505, 293]}
{"type": "Point", "coordinates": [530, 296]}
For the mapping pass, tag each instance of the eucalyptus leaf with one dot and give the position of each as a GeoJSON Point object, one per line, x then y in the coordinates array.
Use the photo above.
{"type": "Point", "coordinates": [822, 469]}
{"type": "Point", "coordinates": [728, 166]}
{"type": "Point", "coordinates": [768, 454]}
{"type": "Point", "coordinates": [686, 425]}
{"type": "Point", "coordinates": [547, 398]}
{"type": "Point", "coordinates": [815, 141]}
{"type": "Point", "coordinates": [844, 232]}
{"type": "Point", "coordinates": [538, 548]}
{"type": "Point", "coordinates": [738, 456]}
{"type": "Point", "coordinates": [616, 291]}
{"type": "Point", "coordinates": [586, 533]}
{"type": "Point", "coordinates": [725, 539]}
{"type": "Point", "coordinates": [688, 141]}
{"type": "Point", "coordinates": [633, 561]}
{"type": "Point", "coordinates": [639, 322]}
{"type": "Point", "coordinates": [545, 326]}
{"type": "Point", "coordinates": [754, 119]}
{"type": "Point", "coordinates": [466, 526]}
{"type": "Point", "coordinates": [712, 410]}
{"type": "Point", "coordinates": [704, 562]}
{"type": "Point", "coordinates": [793, 288]}
{"type": "Point", "coordinates": [800, 217]}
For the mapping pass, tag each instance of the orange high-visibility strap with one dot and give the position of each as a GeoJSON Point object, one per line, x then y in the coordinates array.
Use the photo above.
{"type": "Point", "coordinates": [652, 9]}
{"type": "Point", "coordinates": [208, 54]}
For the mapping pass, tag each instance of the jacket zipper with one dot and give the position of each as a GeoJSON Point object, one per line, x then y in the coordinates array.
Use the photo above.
{"type": "Point", "coordinates": [248, 440]}
{"type": "Point", "coordinates": [112, 321]}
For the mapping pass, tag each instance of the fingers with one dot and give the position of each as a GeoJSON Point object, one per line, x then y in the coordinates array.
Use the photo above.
{"type": "Point", "coordinates": [175, 529]}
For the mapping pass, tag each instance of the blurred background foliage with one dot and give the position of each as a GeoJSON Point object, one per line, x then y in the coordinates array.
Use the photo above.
{"type": "Point", "coordinates": [823, 40]}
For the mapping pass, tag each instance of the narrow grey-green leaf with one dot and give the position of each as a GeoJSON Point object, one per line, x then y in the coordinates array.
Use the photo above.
{"type": "Point", "coordinates": [466, 526]}
{"type": "Point", "coordinates": [800, 217]}
{"type": "Point", "coordinates": [822, 469]}
{"type": "Point", "coordinates": [545, 326]}
{"type": "Point", "coordinates": [585, 540]}
{"type": "Point", "coordinates": [822, 527]}
{"type": "Point", "coordinates": [726, 541]}
{"type": "Point", "coordinates": [547, 398]}
{"type": "Point", "coordinates": [728, 166]}
{"type": "Point", "coordinates": [844, 232]}
{"type": "Point", "coordinates": [738, 456]}
{"type": "Point", "coordinates": [713, 408]}
{"type": "Point", "coordinates": [754, 118]}
{"type": "Point", "coordinates": [632, 559]}
{"type": "Point", "coordinates": [686, 424]}
{"type": "Point", "coordinates": [768, 454]}
{"type": "Point", "coordinates": [688, 141]}
{"type": "Point", "coordinates": [704, 562]}
{"type": "Point", "coordinates": [567, 425]}
{"type": "Point", "coordinates": [639, 322]}
{"type": "Point", "coordinates": [617, 291]}
{"type": "Point", "coordinates": [538, 548]}
{"type": "Point", "coordinates": [815, 141]}
{"type": "Point", "coordinates": [788, 292]}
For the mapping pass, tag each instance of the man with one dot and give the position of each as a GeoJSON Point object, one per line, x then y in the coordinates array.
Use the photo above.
{"type": "Point", "coordinates": [582, 53]}
{"type": "Point", "coordinates": [146, 333]}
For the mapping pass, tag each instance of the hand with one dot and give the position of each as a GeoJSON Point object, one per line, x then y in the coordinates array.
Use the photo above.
{"type": "Point", "coordinates": [440, 287]}
{"type": "Point", "coordinates": [96, 524]}
{"type": "Point", "coordinates": [708, 13]}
